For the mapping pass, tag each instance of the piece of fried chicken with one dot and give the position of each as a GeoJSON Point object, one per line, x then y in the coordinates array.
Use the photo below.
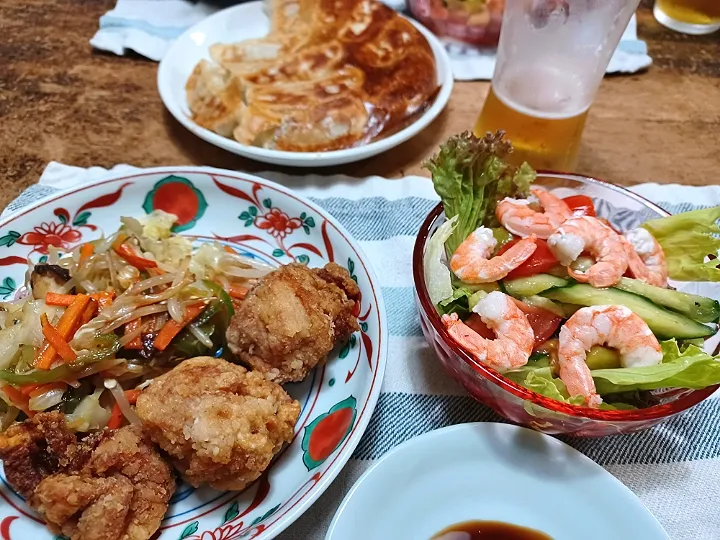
{"type": "Point", "coordinates": [221, 424]}
{"type": "Point", "coordinates": [292, 319]}
{"type": "Point", "coordinates": [112, 485]}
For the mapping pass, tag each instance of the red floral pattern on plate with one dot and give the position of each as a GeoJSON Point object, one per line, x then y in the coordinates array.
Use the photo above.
{"type": "Point", "coordinates": [278, 223]}
{"type": "Point", "coordinates": [281, 226]}
{"type": "Point", "coordinates": [60, 235]}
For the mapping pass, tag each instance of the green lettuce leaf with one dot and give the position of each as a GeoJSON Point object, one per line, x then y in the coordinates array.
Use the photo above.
{"type": "Point", "coordinates": [537, 375]}
{"type": "Point", "coordinates": [687, 239]}
{"type": "Point", "coordinates": [471, 176]}
{"type": "Point", "coordinates": [690, 367]}
{"type": "Point", "coordinates": [437, 275]}
{"type": "Point", "coordinates": [462, 301]}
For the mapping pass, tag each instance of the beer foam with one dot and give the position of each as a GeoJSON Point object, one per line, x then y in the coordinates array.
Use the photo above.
{"type": "Point", "coordinates": [543, 92]}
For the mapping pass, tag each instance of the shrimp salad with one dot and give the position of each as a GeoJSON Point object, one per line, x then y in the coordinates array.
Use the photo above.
{"type": "Point", "coordinates": [549, 294]}
{"type": "Point", "coordinates": [110, 316]}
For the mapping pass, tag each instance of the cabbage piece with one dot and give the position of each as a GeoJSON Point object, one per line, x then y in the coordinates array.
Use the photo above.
{"type": "Point", "coordinates": [157, 238]}
{"type": "Point", "coordinates": [89, 415]}
{"type": "Point", "coordinates": [204, 263]}
{"type": "Point", "coordinates": [22, 327]}
{"type": "Point", "coordinates": [438, 279]}
{"type": "Point", "coordinates": [690, 367]}
{"type": "Point", "coordinates": [46, 400]}
{"type": "Point", "coordinates": [158, 225]}
{"type": "Point", "coordinates": [687, 240]}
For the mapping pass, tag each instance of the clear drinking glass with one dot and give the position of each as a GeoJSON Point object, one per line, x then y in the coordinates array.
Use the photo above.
{"type": "Point", "coordinates": [689, 16]}
{"type": "Point", "coordinates": [551, 59]}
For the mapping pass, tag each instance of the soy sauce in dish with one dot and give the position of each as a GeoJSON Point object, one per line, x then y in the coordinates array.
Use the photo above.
{"type": "Point", "coordinates": [489, 530]}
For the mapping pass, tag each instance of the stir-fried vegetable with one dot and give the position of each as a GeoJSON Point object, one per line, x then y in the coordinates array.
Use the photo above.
{"type": "Point", "coordinates": [112, 314]}
{"type": "Point", "coordinates": [66, 328]}
{"type": "Point", "coordinates": [172, 328]}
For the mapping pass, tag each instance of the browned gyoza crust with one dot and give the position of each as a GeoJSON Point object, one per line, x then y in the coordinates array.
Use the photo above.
{"type": "Point", "coordinates": [331, 74]}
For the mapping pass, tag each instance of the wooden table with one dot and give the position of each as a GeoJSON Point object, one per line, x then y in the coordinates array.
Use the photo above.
{"type": "Point", "coordinates": [61, 101]}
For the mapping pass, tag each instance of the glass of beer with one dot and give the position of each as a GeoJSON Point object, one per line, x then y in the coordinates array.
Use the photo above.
{"type": "Point", "coordinates": [689, 16]}
{"type": "Point", "coordinates": [551, 59]}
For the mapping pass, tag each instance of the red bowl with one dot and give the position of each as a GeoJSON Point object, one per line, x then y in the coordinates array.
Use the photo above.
{"type": "Point", "coordinates": [453, 20]}
{"type": "Point", "coordinates": [624, 210]}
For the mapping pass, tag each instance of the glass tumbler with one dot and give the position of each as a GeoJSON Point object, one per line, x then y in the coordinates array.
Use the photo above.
{"type": "Point", "coordinates": [551, 59]}
{"type": "Point", "coordinates": [689, 16]}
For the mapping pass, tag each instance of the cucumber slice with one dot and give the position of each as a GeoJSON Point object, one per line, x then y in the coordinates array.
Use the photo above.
{"type": "Point", "coordinates": [532, 285]}
{"type": "Point", "coordinates": [546, 304]}
{"type": "Point", "coordinates": [599, 357]}
{"type": "Point", "coordinates": [698, 308]}
{"type": "Point", "coordinates": [475, 298]}
{"type": "Point", "coordinates": [664, 324]}
{"type": "Point", "coordinates": [486, 287]}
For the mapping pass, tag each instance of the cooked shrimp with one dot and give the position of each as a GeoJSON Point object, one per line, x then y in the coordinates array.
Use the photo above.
{"type": "Point", "coordinates": [514, 335]}
{"type": "Point", "coordinates": [587, 233]}
{"type": "Point", "coordinates": [518, 217]}
{"type": "Point", "coordinates": [471, 262]}
{"type": "Point", "coordinates": [614, 326]}
{"type": "Point", "coordinates": [652, 255]}
{"type": "Point", "coordinates": [635, 263]}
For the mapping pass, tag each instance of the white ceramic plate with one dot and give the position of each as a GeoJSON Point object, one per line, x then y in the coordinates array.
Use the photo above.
{"type": "Point", "coordinates": [247, 21]}
{"type": "Point", "coordinates": [263, 220]}
{"type": "Point", "coordinates": [489, 471]}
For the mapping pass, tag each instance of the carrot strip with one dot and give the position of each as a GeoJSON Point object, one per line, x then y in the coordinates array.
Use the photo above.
{"type": "Point", "coordinates": [228, 249]}
{"type": "Point", "coordinates": [86, 251]}
{"type": "Point", "coordinates": [131, 327]}
{"type": "Point", "coordinates": [155, 271]}
{"type": "Point", "coordinates": [90, 311]}
{"type": "Point", "coordinates": [172, 327]}
{"type": "Point", "coordinates": [132, 396]}
{"type": "Point", "coordinates": [18, 399]}
{"type": "Point", "coordinates": [28, 388]}
{"type": "Point", "coordinates": [127, 253]}
{"type": "Point", "coordinates": [56, 340]}
{"type": "Point", "coordinates": [238, 291]}
{"type": "Point", "coordinates": [66, 327]}
{"type": "Point", "coordinates": [57, 299]}
{"type": "Point", "coordinates": [116, 417]}
{"type": "Point", "coordinates": [42, 388]}
{"type": "Point", "coordinates": [104, 299]}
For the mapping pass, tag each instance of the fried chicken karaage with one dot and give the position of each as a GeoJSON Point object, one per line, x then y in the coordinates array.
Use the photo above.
{"type": "Point", "coordinates": [292, 319]}
{"type": "Point", "coordinates": [221, 424]}
{"type": "Point", "coordinates": [111, 485]}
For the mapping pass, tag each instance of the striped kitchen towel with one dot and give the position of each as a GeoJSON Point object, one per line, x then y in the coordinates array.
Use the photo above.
{"type": "Point", "coordinates": [674, 468]}
{"type": "Point", "coordinates": [149, 27]}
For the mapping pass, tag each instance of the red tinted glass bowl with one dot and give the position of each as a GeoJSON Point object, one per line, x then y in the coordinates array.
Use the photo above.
{"type": "Point", "coordinates": [473, 22]}
{"type": "Point", "coordinates": [624, 210]}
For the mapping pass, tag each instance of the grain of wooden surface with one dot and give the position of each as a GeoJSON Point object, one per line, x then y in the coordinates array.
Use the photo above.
{"type": "Point", "coordinates": [61, 101]}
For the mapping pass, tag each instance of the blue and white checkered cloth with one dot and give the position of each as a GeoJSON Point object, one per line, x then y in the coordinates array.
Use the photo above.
{"type": "Point", "coordinates": [674, 468]}
{"type": "Point", "coordinates": [149, 27]}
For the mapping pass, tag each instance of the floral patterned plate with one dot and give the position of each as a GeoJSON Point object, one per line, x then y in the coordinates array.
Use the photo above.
{"type": "Point", "coordinates": [263, 220]}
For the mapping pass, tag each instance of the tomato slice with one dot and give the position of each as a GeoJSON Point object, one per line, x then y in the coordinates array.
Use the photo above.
{"type": "Point", "coordinates": [539, 262]}
{"type": "Point", "coordinates": [475, 322]}
{"type": "Point", "coordinates": [581, 205]}
{"type": "Point", "coordinates": [543, 322]}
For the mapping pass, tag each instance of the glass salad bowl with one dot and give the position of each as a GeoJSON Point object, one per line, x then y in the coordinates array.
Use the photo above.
{"type": "Point", "coordinates": [625, 210]}
{"type": "Point", "coordinates": [475, 22]}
